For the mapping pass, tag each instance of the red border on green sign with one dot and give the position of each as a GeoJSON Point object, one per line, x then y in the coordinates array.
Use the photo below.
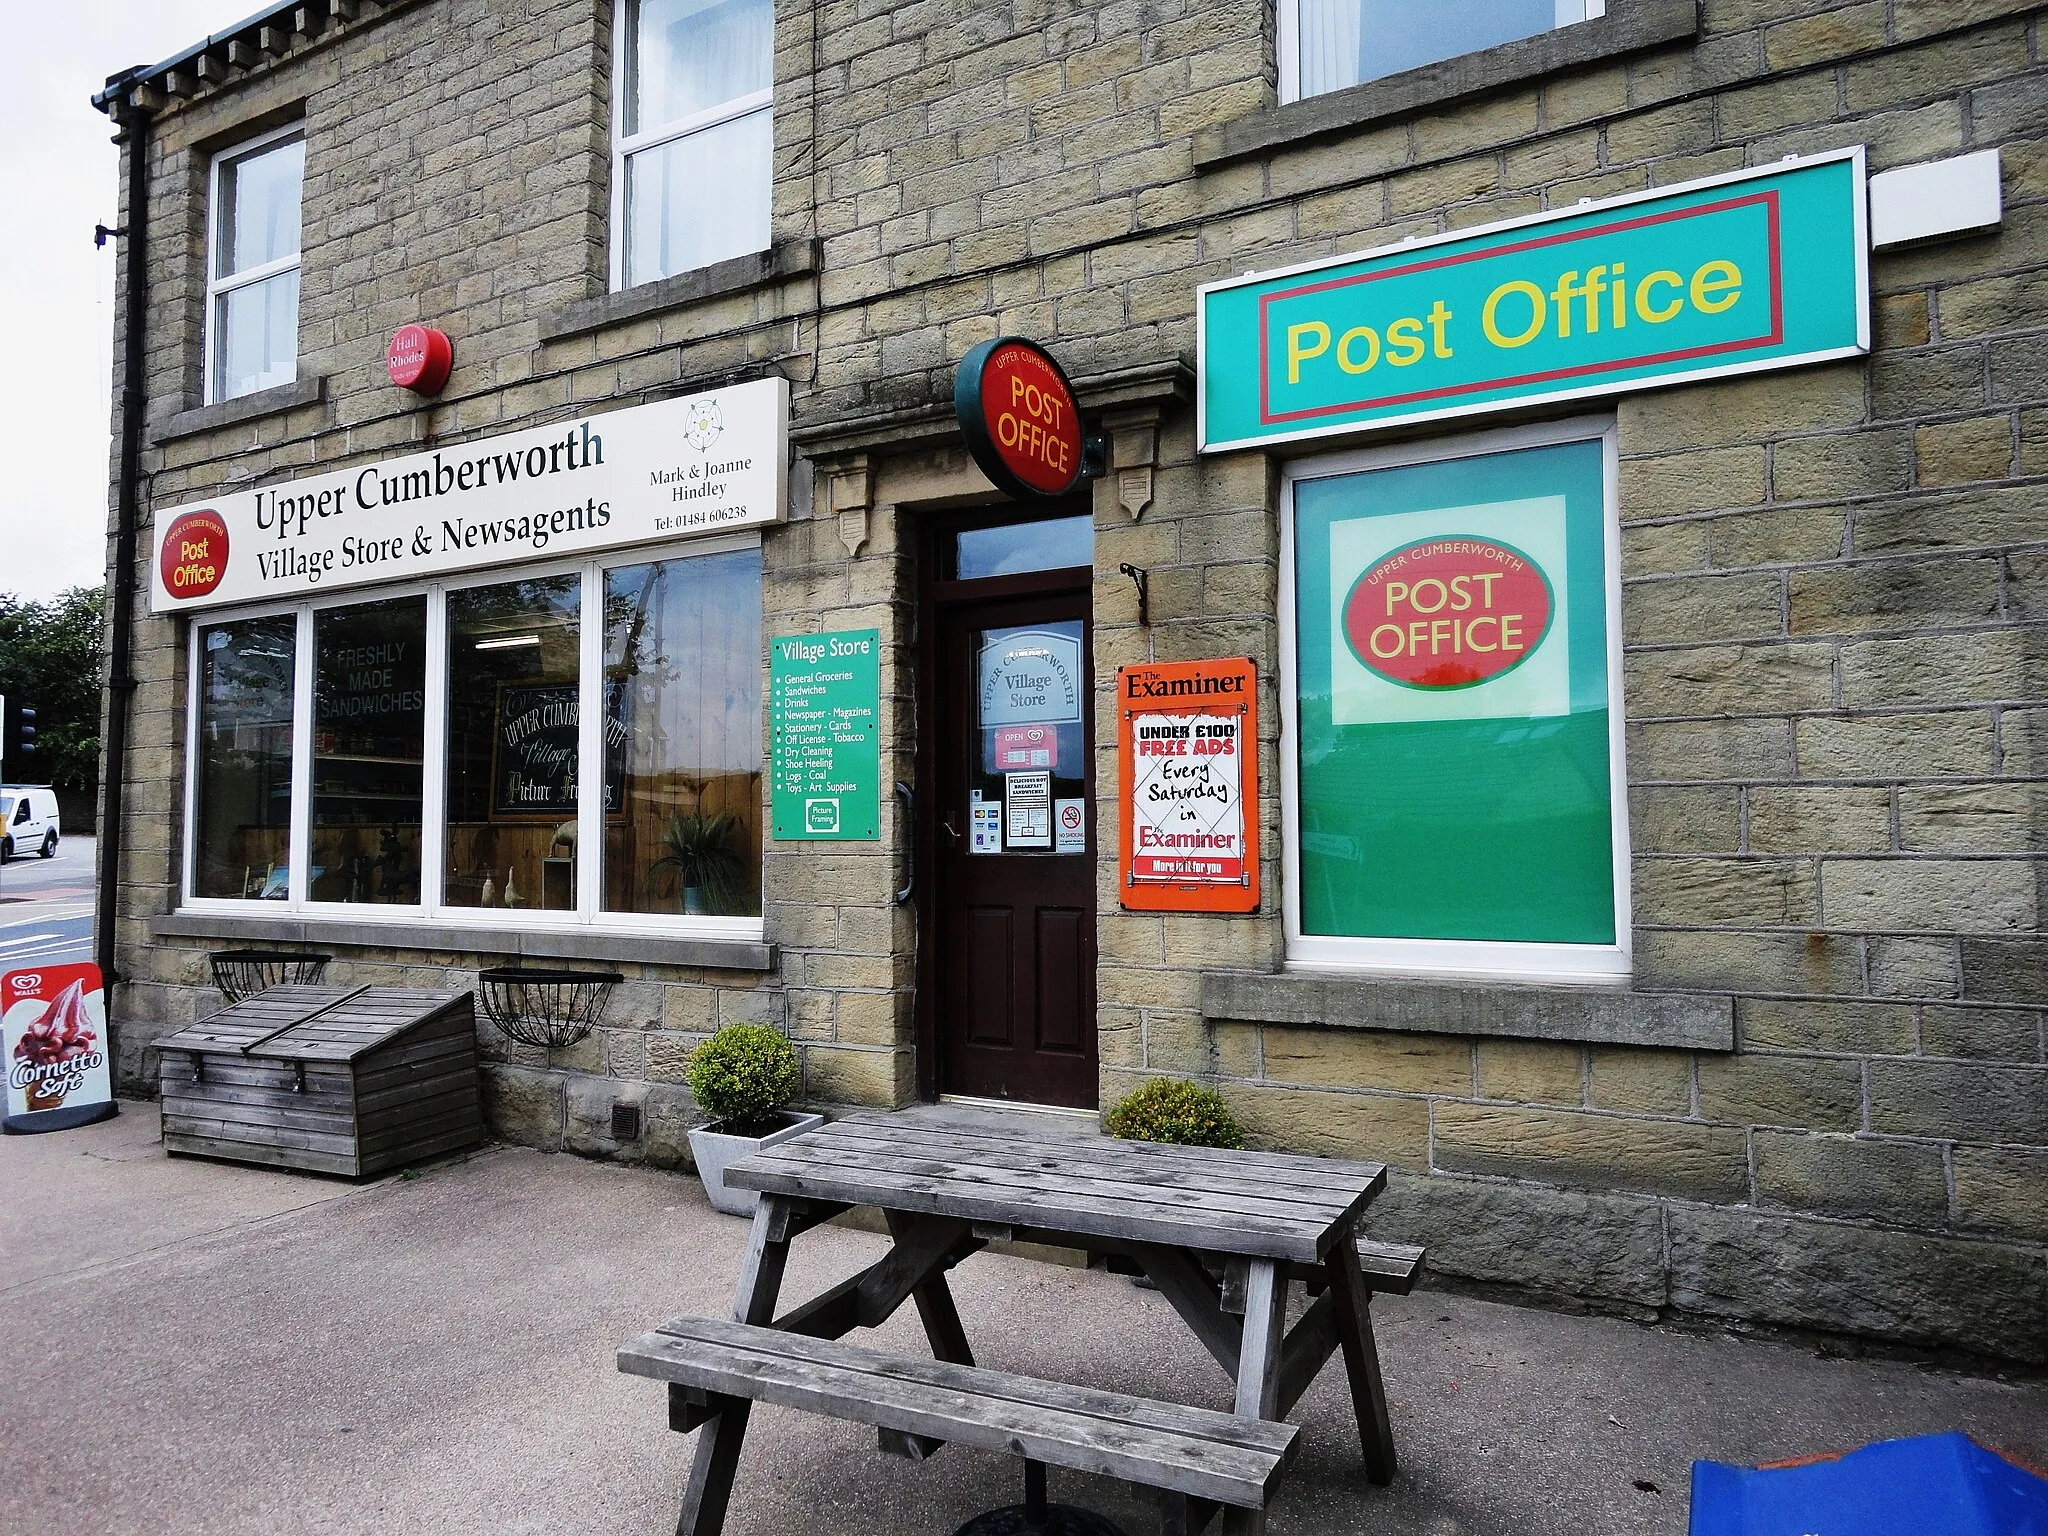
{"type": "Point", "coordinates": [1775, 336]}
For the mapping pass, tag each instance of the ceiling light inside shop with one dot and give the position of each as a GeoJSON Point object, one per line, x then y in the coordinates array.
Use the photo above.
{"type": "Point", "coordinates": [508, 642]}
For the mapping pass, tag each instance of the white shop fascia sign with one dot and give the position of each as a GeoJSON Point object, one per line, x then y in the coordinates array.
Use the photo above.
{"type": "Point", "coordinates": [709, 463]}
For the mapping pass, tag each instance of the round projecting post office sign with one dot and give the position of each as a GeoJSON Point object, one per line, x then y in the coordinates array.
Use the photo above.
{"type": "Point", "coordinates": [1020, 418]}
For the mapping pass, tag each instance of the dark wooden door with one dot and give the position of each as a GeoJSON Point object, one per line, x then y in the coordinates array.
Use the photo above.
{"type": "Point", "coordinates": [1013, 909]}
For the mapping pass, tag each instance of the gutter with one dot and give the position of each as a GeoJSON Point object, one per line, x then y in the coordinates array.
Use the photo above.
{"type": "Point", "coordinates": [119, 99]}
{"type": "Point", "coordinates": [252, 42]}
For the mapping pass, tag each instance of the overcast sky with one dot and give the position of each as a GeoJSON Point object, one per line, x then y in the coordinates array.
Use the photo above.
{"type": "Point", "coordinates": [59, 175]}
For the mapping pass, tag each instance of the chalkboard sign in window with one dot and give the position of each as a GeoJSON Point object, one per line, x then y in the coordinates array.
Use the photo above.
{"type": "Point", "coordinates": [534, 770]}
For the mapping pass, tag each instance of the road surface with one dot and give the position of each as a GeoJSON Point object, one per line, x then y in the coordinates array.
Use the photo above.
{"type": "Point", "coordinates": [46, 907]}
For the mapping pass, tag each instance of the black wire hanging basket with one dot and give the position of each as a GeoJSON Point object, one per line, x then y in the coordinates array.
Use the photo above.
{"type": "Point", "coordinates": [536, 1005]}
{"type": "Point", "coordinates": [242, 973]}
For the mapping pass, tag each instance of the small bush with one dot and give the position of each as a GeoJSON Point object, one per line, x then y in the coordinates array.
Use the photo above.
{"type": "Point", "coordinates": [1171, 1109]}
{"type": "Point", "coordinates": [743, 1075]}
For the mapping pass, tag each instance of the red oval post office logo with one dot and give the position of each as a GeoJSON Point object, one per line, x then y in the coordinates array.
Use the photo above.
{"type": "Point", "coordinates": [1448, 613]}
{"type": "Point", "coordinates": [195, 555]}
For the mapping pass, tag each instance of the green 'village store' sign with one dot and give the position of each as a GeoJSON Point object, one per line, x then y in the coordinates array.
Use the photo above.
{"type": "Point", "coordinates": [1756, 270]}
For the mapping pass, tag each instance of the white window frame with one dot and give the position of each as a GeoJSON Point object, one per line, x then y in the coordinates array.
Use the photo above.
{"type": "Point", "coordinates": [1287, 28]}
{"type": "Point", "coordinates": [217, 286]}
{"type": "Point", "coordinates": [1466, 959]}
{"type": "Point", "coordinates": [624, 66]}
{"type": "Point", "coordinates": [588, 916]}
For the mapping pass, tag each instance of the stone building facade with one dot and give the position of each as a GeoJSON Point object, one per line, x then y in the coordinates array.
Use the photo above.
{"type": "Point", "coordinates": [1818, 1093]}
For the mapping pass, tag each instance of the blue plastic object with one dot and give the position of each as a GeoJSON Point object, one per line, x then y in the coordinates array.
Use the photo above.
{"type": "Point", "coordinates": [1936, 1485]}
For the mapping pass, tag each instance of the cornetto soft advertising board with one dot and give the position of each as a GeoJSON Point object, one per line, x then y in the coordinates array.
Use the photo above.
{"type": "Point", "coordinates": [1760, 269]}
{"type": "Point", "coordinates": [707, 463]}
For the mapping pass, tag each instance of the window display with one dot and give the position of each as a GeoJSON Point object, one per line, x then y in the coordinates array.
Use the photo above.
{"type": "Point", "coordinates": [682, 678]}
{"type": "Point", "coordinates": [444, 742]}
{"type": "Point", "coordinates": [513, 741]}
{"type": "Point", "coordinates": [369, 743]}
{"type": "Point", "coordinates": [242, 750]}
{"type": "Point", "coordinates": [1455, 747]}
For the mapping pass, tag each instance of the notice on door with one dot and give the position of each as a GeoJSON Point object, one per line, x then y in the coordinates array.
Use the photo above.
{"type": "Point", "coordinates": [825, 757]}
{"type": "Point", "coordinates": [1027, 802]}
{"type": "Point", "coordinates": [1187, 751]}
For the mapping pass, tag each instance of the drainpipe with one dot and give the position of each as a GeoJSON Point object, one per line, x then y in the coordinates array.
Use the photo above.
{"type": "Point", "coordinates": [134, 123]}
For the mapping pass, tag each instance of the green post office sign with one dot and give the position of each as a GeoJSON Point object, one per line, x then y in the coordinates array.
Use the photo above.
{"type": "Point", "coordinates": [1755, 270]}
{"type": "Point", "coordinates": [825, 742]}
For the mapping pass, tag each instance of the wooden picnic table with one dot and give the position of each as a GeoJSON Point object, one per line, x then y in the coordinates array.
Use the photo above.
{"type": "Point", "coordinates": [1219, 1233]}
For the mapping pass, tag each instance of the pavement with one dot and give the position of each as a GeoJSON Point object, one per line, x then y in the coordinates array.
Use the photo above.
{"type": "Point", "coordinates": [195, 1347]}
{"type": "Point", "coordinates": [46, 906]}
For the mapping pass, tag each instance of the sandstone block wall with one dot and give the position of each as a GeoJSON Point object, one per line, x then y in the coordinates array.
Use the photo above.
{"type": "Point", "coordinates": [1833, 605]}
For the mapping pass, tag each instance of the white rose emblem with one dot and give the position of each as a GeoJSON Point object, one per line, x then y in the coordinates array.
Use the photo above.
{"type": "Point", "coordinates": [704, 423]}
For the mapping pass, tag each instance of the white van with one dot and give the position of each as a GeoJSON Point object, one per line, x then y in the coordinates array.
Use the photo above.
{"type": "Point", "coordinates": [30, 819]}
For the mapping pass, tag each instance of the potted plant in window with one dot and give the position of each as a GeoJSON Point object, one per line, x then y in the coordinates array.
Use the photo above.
{"type": "Point", "coordinates": [743, 1077]}
{"type": "Point", "coordinates": [703, 852]}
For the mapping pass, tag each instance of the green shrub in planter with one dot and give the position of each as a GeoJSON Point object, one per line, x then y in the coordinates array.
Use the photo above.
{"type": "Point", "coordinates": [743, 1075]}
{"type": "Point", "coordinates": [1173, 1110]}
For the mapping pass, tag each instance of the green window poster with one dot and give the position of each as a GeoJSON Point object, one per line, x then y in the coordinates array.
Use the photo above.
{"type": "Point", "coordinates": [1453, 776]}
{"type": "Point", "coordinates": [825, 758]}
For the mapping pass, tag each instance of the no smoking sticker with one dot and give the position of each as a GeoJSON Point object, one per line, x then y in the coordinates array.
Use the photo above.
{"type": "Point", "coordinates": [1070, 826]}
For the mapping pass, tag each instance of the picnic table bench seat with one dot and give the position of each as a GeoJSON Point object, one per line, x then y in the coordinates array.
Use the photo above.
{"type": "Point", "coordinates": [1208, 1458]}
{"type": "Point", "coordinates": [1389, 1268]}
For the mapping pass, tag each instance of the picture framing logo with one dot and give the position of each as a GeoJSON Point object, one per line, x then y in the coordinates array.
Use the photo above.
{"type": "Point", "coordinates": [821, 816]}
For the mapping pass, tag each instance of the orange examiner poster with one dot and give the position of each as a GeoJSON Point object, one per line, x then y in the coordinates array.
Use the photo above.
{"type": "Point", "coordinates": [1188, 764]}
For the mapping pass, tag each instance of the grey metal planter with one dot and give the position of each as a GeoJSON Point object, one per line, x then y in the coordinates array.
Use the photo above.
{"type": "Point", "coordinates": [715, 1151]}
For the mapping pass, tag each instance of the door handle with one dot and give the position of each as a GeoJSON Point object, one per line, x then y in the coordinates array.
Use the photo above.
{"type": "Point", "coordinates": [909, 799]}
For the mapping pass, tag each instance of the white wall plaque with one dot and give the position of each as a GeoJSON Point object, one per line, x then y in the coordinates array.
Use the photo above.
{"type": "Point", "coordinates": [708, 463]}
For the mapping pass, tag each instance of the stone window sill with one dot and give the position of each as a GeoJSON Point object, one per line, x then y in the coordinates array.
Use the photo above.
{"type": "Point", "coordinates": [514, 943]}
{"type": "Point", "coordinates": [1602, 1015]}
{"type": "Point", "coordinates": [1630, 26]}
{"type": "Point", "coordinates": [230, 413]}
{"type": "Point", "coordinates": [789, 258]}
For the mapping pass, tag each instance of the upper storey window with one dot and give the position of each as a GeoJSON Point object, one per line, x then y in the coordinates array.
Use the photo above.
{"type": "Point", "coordinates": [692, 163]}
{"type": "Point", "coordinates": [1335, 43]}
{"type": "Point", "coordinates": [252, 272]}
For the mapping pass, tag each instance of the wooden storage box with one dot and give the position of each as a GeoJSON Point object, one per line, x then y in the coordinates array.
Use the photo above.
{"type": "Point", "coordinates": [330, 1079]}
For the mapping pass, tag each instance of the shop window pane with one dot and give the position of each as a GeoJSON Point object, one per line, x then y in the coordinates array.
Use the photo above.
{"type": "Point", "coordinates": [1453, 701]}
{"type": "Point", "coordinates": [690, 56]}
{"type": "Point", "coordinates": [683, 705]}
{"type": "Point", "coordinates": [1050, 544]}
{"type": "Point", "coordinates": [699, 199]}
{"type": "Point", "coordinates": [242, 811]}
{"type": "Point", "coordinates": [1344, 42]}
{"type": "Point", "coordinates": [259, 207]}
{"type": "Point", "coordinates": [256, 335]}
{"type": "Point", "coordinates": [513, 752]}
{"type": "Point", "coordinates": [369, 736]}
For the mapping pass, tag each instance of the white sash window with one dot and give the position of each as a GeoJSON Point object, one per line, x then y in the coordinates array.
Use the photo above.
{"type": "Point", "coordinates": [692, 159]}
{"type": "Point", "coordinates": [1326, 45]}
